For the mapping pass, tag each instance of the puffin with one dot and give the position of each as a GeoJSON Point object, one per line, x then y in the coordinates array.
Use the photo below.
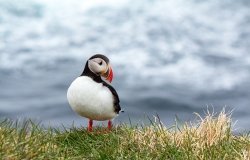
{"type": "Point", "coordinates": [92, 97]}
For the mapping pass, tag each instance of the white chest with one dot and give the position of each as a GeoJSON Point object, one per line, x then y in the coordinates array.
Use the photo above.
{"type": "Point", "coordinates": [90, 99]}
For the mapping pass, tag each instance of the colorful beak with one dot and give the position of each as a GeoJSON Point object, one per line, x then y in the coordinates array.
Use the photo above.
{"type": "Point", "coordinates": [110, 75]}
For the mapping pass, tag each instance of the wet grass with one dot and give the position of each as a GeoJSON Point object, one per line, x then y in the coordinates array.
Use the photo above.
{"type": "Point", "coordinates": [208, 138]}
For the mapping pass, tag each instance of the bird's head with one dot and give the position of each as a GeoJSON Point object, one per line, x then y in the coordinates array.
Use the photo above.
{"type": "Point", "coordinates": [99, 64]}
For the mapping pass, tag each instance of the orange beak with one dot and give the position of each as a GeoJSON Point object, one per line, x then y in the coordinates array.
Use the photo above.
{"type": "Point", "coordinates": [110, 75]}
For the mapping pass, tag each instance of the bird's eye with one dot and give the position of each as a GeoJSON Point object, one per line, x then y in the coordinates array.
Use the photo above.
{"type": "Point", "coordinates": [100, 63]}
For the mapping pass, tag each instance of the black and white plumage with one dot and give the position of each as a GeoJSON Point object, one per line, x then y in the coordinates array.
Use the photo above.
{"type": "Point", "coordinates": [90, 96]}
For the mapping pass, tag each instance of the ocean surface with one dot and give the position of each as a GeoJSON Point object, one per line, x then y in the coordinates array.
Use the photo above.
{"type": "Point", "coordinates": [172, 58]}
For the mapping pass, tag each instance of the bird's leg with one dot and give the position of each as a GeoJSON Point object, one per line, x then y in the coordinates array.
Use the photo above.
{"type": "Point", "coordinates": [90, 128]}
{"type": "Point", "coordinates": [109, 125]}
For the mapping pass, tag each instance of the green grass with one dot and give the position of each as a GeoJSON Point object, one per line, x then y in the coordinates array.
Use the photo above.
{"type": "Point", "coordinates": [207, 138]}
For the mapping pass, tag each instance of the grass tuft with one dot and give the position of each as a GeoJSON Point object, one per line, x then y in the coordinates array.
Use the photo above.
{"type": "Point", "coordinates": [209, 137]}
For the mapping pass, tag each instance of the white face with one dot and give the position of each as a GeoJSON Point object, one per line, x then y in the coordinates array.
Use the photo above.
{"type": "Point", "coordinates": [98, 66]}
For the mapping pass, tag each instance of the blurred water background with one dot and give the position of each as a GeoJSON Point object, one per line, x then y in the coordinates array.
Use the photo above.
{"type": "Point", "coordinates": [172, 57]}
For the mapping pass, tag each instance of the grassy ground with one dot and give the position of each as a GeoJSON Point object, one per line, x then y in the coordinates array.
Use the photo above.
{"type": "Point", "coordinates": [208, 138]}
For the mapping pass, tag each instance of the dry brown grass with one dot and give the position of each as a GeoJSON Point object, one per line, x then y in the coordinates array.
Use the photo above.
{"type": "Point", "coordinates": [195, 137]}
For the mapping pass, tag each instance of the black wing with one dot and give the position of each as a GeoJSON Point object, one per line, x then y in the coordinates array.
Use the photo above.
{"type": "Point", "coordinates": [115, 95]}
